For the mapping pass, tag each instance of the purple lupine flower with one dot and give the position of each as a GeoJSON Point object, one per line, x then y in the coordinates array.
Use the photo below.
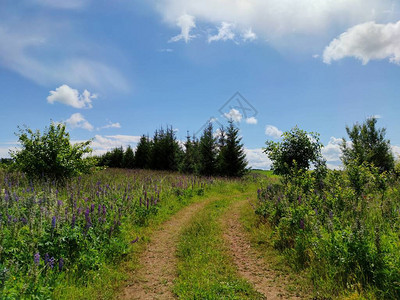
{"type": "Point", "coordinates": [104, 210]}
{"type": "Point", "coordinates": [73, 221]}
{"type": "Point", "coordinates": [135, 240]}
{"type": "Point", "coordinates": [92, 207]}
{"type": "Point", "coordinates": [99, 209]}
{"type": "Point", "coordinates": [140, 202]}
{"type": "Point", "coordinates": [24, 221]}
{"type": "Point", "coordinates": [60, 264]}
{"type": "Point", "coordinates": [51, 262]}
{"type": "Point", "coordinates": [299, 199]}
{"type": "Point", "coordinates": [36, 258]}
{"type": "Point", "coordinates": [53, 222]}
{"type": "Point", "coordinates": [302, 224]}
{"type": "Point", "coordinates": [59, 203]}
{"type": "Point", "coordinates": [316, 211]}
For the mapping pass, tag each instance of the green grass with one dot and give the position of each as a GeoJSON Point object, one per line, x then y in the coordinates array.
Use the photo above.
{"type": "Point", "coordinates": [205, 269]}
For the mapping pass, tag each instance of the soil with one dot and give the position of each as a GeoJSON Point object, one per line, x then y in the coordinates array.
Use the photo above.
{"type": "Point", "coordinates": [250, 263]}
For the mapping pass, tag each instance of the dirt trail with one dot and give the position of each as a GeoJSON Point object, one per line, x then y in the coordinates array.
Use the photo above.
{"type": "Point", "coordinates": [250, 263]}
{"type": "Point", "coordinates": [154, 278]}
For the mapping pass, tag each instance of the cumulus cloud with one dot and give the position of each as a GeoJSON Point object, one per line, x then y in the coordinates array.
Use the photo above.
{"type": "Point", "coordinates": [69, 96]}
{"type": "Point", "coordinates": [234, 115]}
{"type": "Point", "coordinates": [331, 151]}
{"type": "Point", "coordinates": [252, 121]}
{"type": "Point", "coordinates": [279, 20]}
{"type": "Point", "coordinates": [367, 41]}
{"type": "Point", "coordinates": [257, 159]}
{"type": "Point", "coordinates": [187, 24]}
{"type": "Point", "coordinates": [102, 144]}
{"type": "Point", "coordinates": [79, 121]}
{"type": "Point", "coordinates": [225, 33]}
{"type": "Point", "coordinates": [273, 131]}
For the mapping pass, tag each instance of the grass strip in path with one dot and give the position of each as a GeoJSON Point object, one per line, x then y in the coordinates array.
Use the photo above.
{"type": "Point", "coordinates": [205, 268]}
{"type": "Point", "coordinates": [154, 277]}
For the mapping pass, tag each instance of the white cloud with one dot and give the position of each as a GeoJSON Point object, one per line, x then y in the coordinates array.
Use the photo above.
{"type": "Point", "coordinates": [280, 21]}
{"type": "Point", "coordinates": [331, 151]}
{"type": "Point", "coordinates": [101, 144]}
{"type": "Point", "coordinates": [249, 35]}
{"type": "Point", "coordinates": [367, 41]}
{"type": "Point", "coordinates": [187, 24]}
{"type": "Point", "coordinates": [234, 115]}
{"type": "Point", "coordinates": [252, 121]}
{"type": "Point", "coordinates": [273, 131]}
{"type": "Point", "coordinates": [110, 125]}
{"type": "Point", "coordinates": [78, 121]}
{"type": "Point", "coordinates": [257, 159]}
{"type": "Point", "coordinates": [40, 50]}
{"type": "Point", "coordinates": [69, 96]}
{"type": "Point", "coordinates": [225, 33]}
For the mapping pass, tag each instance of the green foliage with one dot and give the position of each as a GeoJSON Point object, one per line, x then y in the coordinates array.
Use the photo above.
{"type": "Point", "coordinates": [129, 158]}
{"type": "Point", "coordinates": [368, 145]}
{"type": "Point", "coordinates": [51, 154]}
{"type": "Point", "coordinates": [142, 154]}
{"type": "Point", "coordinates": [53, 236]}
{"type": "Point", "coordinates": [208, 152]}
{"type": "Point", "coordinates": [299, 150]}
{"type": "Point", "coordinates": [231, 157]}
{"type": "Point", "coordinates": [346, 234]}
{"type": "Point", "coordinates": [191, 158]}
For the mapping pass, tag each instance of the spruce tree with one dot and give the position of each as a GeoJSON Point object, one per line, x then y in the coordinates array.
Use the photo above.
{"type": "Point", "coordinates": [129, 158]}
{"type": "Point", "coordinates": [232, 156]}
{"type": "Point", "coordinates": [190, 159]}
{"type": "Point", "coordinates": [208, 152]}
{"type": "Point", "coordinates": [142, 154]}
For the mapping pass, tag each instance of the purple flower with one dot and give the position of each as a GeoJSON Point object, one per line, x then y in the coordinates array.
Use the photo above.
{"type": "Point", "coordinates": [60, 264]}
{"type": "Point", "coordinates": [299, 199]}
{"type": "Point", "coordinates": [302, 224]}
{"type": "Point", "coordinates": [51, 262]}
{"type": "Point", "coordinates": [135, 240]}
{"type": "Point", "coordinates": [59, 203]}
{"type": "Point", "coordinates": [53, 222]}
{"type": "Point", "coordinates": [316, 211]}
{"type": "Point", "coordinates": [73, 221]}
{"type": "Point", "coordinates": [36, 258]}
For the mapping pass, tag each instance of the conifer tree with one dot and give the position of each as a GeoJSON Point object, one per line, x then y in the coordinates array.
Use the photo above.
{"type": "Point", "coordinates": [233, 158]}
{"type": "Point", "coordinates": [129, 158]}
{"type": "Point", "coordinates": [142, 154]}
{"type": "Point", "coordinates": [208, 152]}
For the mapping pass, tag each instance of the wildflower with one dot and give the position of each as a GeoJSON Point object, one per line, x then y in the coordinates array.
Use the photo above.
{"type": "Point", "coordinates": [51, 262]}
{"type": "Point", "coordinates": [73, 221]}
{"type": "Point", "coordinates": [36, 258]}
{"type": "Point", "coordinates": [59, 203]}
{"type": "Point", "coordinates": [135, 240]}
{"type": "Point", "coordinates": [53, 222]}
{"type": "Point", "coordinates": [60, 264]}
{"type": "Point", "coordinates": [302, 224]}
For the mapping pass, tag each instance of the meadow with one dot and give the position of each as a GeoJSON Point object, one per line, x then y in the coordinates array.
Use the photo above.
{"type": "Point", "coordinates": [56, 236]}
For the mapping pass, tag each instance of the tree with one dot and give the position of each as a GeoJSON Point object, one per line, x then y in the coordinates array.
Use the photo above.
{"type": "Point", "coordinates": [190, 160]}
{"type": "Point", "coordinates": [51, 155]}
{"type": "Point", "coordinates": [232, 159]}
{"type": "Point", "coordinates": [208, 152]}
{"type": "Point", "coordinates": [129, 158]}
{"type": "Point", "coordinates": [299, 150]}
{"type": "Point", "coordinates": [368, 145]}
{"type": "Point", "coordinates": [142, 154]}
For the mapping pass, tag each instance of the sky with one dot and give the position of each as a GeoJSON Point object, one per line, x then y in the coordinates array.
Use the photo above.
{"type": "Point", "coordinates": [114, 70]}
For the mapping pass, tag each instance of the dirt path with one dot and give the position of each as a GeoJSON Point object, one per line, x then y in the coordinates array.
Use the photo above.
{"type": "Point", "coordinates": [250, 263]}
{"type": "Point", "coordinates": [154, 278]}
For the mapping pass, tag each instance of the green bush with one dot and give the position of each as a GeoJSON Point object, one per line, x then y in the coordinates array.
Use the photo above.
{"type": "Point", "coordinates": [51, 155]}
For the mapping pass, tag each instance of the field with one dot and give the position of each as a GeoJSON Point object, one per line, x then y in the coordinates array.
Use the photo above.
{"type": "Point", "coordinates": [137, 234]}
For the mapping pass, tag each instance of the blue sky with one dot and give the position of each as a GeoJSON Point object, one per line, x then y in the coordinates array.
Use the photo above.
{"type": "Point", "coordinates": [113, 70]}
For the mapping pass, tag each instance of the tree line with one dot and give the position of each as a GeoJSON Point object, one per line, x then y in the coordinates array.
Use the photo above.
{"type": "Point", "coordinates": [214, 154]}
